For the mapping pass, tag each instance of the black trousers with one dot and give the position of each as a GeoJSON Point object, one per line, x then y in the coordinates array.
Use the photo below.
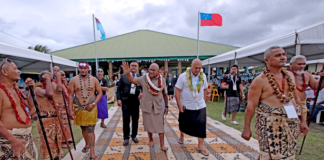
{"type": "Point", "coordinates": [130, 110]}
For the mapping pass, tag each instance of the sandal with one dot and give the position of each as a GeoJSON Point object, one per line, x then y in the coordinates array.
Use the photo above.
{"type": "Point", "coordinates": [85, 149]}
{"type": "Point", "coordinates": [93, 158]}
{"type": "Point", "coordinates": [164, 149]}
{"type": "Point", "coordinates": [180, 141]}
{"type": "Point", "coordinates": [203, 152]}
{"type": "Point", "coordinates": [103, 125]}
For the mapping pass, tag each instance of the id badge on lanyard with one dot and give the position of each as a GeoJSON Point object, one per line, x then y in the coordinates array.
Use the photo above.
{"type": "Point", "coordinates": [290, 110]}
{"type": "Point", "coordinates": [195, 93]}
{"type": "Point", "coordinates": [133, 89]}
{"type": "Point", "coordinates": [234, 83]}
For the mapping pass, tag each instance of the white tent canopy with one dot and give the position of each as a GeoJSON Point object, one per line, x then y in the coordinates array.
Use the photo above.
{"type": "Point", "coordinates": [28, 60]}
{"type": "Point", "coordinates": [308, 41]}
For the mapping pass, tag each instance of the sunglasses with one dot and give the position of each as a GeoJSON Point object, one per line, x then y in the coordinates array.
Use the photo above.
{"type": "Point", "coordinates": [100, 71]}
{"type": "Point", "coordinates": [4, 61]}
{"type": "Point", "coordinates": [62, 74]}
{"type": "Point", "coordinates": [83, 64]}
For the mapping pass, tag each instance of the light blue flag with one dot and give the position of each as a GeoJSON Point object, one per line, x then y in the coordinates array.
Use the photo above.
{"type": "Point", "coordinates": [99, 27]}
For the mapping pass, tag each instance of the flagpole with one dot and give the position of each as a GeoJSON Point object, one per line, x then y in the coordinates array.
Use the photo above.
{"type": "Point", "coordinates": [198, 36]}
{"type": "Point", "coordinates": [94, 35]}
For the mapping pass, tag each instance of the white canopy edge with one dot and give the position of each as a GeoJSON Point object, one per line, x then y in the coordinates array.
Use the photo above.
{"type": "Point", "coordinates": [252, 54]}
{"type": "Point", "coordinates": [28, 60]}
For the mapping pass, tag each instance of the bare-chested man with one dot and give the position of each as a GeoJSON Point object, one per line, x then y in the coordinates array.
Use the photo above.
{"type": "Point", "coordinates": [303, 79]}
{"type": "Point", "coordinates": [84, 86]}
{"type": "Point", "coordinates": [55, 69]}
{"type": "Point", "coordinates": [44, 95]}
{"type": "Point", "coordinates": [272, 95]}
{"type": "Point", "coordinates": [16, 140]}
{"type": "Point", "coordinates": [58, 88]}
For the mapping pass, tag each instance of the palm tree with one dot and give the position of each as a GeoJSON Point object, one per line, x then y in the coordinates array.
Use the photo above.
{"type": "Point", "coordinates": [40, 48]}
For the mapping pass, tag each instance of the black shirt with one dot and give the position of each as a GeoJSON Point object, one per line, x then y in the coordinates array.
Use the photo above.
{"type": "Point", "coordinates": [104, 83]}
{"type": "Point", "coordinates": [229, 80]}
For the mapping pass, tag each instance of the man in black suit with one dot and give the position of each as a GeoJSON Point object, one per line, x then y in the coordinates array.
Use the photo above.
{"type": "Point", "coordinates": [127, 96]}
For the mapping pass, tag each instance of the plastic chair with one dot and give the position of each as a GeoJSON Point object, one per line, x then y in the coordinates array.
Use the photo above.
{"type": "Point", "coordinates": [215, 94]}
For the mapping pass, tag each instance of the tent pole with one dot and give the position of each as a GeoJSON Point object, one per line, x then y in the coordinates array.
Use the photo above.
{"type": "Point", "coordinates": [297, 44]}
{"type": "Point", "coordinates": [208, 78]}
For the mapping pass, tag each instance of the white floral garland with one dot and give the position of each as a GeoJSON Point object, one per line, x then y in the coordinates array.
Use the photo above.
{"type": "Point", "coordinates": [152, 85]}
{"type": "Point", "coordinates": [188, 79]}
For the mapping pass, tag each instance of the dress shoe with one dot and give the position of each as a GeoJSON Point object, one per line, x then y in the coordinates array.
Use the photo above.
{"type": "Point", "coordinates": [135, 140]}
{"type": "Point", "coordinates": [126, 141]}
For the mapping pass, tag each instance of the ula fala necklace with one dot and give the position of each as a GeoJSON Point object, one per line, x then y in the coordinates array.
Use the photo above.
{"type": "Point", "coordinates": [85, 97]}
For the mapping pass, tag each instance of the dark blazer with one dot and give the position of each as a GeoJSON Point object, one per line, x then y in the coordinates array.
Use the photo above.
{"type": "Point", "coordinates": [172, 82]}
{"type": "Point", "coordinates": [124, 87]}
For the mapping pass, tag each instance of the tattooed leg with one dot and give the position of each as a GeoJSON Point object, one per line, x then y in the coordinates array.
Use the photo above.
{"type": "Point", "coordinates": [91, 140]}
{"type": "Point", "coordinates": [85, 135]}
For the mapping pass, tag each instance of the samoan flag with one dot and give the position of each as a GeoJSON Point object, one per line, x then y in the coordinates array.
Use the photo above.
{"type": "Point", "coordinates": [99, 27]}
{"type": "Point", "coordinates": [213, 19]}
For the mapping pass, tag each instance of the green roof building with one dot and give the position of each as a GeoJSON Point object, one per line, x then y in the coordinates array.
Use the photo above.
{"type": "Point", "coordinates": [144, 46]}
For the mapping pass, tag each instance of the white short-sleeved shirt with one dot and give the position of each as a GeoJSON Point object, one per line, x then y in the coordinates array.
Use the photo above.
{"type": "Point", "coordinates": [187, 99]}
{"type": "Point", "coordinates": [143, 72]}
{"type": "Point", "coordinates": [319, 98]}
{"type": "Point", "coordinates": [309, 93]}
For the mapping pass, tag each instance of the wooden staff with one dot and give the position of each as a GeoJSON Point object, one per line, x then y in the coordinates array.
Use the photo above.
{"type": "Point", "coordinates": [62, 127]}
{"type": "Point", "coordinates": [67, 114]}
{"type": "Point", "coordinates": [312, 111]}
{"type": "Point", "coordinates": [40, 120]}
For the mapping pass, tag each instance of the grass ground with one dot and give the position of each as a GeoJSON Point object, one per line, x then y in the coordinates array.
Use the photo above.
{"type": "Point", "coordinates": [314, 143]}
{"type": "Point", "coordinates": [76, 133]}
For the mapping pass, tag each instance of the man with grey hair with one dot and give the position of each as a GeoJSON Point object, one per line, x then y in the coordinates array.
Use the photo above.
{"type": "Point", "coordinates": [273, 97]}
{"type": "Point", "coordinates": [303, 79]}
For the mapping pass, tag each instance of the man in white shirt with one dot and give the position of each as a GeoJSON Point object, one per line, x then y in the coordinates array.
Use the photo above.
{"type": "Point", "coordinates": [318, 106]}
{"type": "Point", "coordinates": [191, 94]}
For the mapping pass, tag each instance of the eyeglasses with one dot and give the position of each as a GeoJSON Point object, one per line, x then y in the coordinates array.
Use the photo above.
{"type": "Point", "coordinates": [4, 61]}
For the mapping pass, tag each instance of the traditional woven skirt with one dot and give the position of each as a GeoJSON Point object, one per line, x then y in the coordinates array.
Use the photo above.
{"type": "Point", "coordinates": [65, 121]}
{"type": "Point", "coordinates": [277, 134]}
{"type": "Point", "coordinates": [102, 108]}
{"type": "Point", "coordinates": [304, 106]}
{"type": "Point", "coordinates": [22, 134]}
{"type": "Point", "coordinates": [193, 122]}
{"type": "Point", "coordinates": [53, 134]}
{"type": "Point", "coordinates": [86, 118]}
{"type": "Point", "coordinates": [232, 104]}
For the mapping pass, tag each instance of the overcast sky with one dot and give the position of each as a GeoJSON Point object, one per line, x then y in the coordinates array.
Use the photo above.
{"type": "Point", "coordinates": [61, 24]}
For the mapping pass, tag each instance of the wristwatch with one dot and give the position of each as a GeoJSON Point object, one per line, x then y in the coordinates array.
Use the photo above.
{"type": "Point", "coordinates": [94, 103]}
{"type": "Point", "coordinates": [166, 106]}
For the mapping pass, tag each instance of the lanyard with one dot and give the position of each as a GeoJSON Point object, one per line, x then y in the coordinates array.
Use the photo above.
{"type": "Point", "coordinates": [197, 79]}
{"type": "Point", "coordinates": [234, 82]}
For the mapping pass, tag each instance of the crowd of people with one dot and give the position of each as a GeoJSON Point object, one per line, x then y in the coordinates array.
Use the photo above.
{"type": "Point", "coordinates": [279, 98]}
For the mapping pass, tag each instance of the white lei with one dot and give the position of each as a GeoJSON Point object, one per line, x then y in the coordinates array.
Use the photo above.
{"type": "Point", "coordinates": [152, 85]}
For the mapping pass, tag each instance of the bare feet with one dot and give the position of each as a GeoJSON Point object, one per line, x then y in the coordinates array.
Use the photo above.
{"type": "Point", "coordinates": [163, 148]}
{"type": "Point", "coordinates": [151, 143]}
{"type": "Point", "coordinates": [64, 145]}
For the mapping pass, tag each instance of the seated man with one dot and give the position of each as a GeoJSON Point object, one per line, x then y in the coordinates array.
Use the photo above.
{"type": "Point", "coordinates": [318, 106]}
